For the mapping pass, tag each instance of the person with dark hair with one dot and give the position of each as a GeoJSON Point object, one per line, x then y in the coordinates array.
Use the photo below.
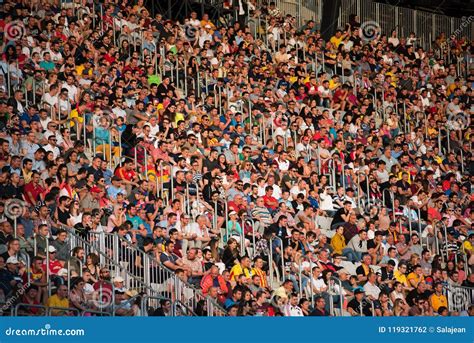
{"type": "Point", "coordinates": [319, 308]}
{"type": "Point", "coordinates": [241, 268]}
{"type": "Point", "coordinates": [235, 299]}
{"type": "Point", "coordinates": [164, 310]}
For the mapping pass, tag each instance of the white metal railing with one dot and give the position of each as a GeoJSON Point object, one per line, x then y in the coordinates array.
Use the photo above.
{"type": "Point", "coordinates": [164, 281]}
{"type": "Point", "coordinates": [459, 297]}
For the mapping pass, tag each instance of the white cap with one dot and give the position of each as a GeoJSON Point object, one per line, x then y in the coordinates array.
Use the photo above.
{"type": "Point", "coordinates": [51, 249]}
{"type": "Point", "coordinates": [12, 260]}
{"type": "Point", "coordinates": [118, 279]}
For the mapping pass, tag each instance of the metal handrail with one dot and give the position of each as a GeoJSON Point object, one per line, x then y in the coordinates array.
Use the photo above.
{"type": "Point", "coordinates": [341, 293]}
{"type": "Point", "coordinates": [103, 314]}
{"type": "Point", "coordinates": [14, 313]}
{"type": "Point", "coordinates": [50, 309]}
{"type": "Point", "coordinates": [182, 305]}
{"type": "Point", "coordinates": [111, 261]}
{"type": "Point", "coordinates": [169, 274]}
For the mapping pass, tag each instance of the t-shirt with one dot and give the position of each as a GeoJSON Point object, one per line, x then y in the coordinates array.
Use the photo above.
{"type": "Point", "coordinates": [164, 257]}
{"type": "Point", "coordinates": [400, 277]}
{"type": "Point", "coordinates": [356, 307]}
{"type": "Point", "coordinates": [237, 270]}
{"type": "Point", "coordinates": [55, 301]}
{"type": "Point", "coordinates": [438, 300]}
{"type": "Point", "coordinates": [413, 276]}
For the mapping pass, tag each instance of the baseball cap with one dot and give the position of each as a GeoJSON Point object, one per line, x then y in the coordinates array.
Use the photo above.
{"type": "Point", "coordinates": [118, 279]}
{"type": "Point", "coordinates": [12, 260]}
{"type": "Point", "coordinates": [51, 249]}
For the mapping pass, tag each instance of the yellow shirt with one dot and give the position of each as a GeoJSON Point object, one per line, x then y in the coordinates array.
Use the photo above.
{"type": "Point", "coordinates": [400, 277]}
{"type": "Point", "coordinates": [451, 89]}
{"type": "Point", "coordinates": [438, 301]}
{"type": "Point", "coordinates": [75, 115]}
{"type": "Point", "coordinates": [467, 246]}
{"type": "Point", "coordinates": [338, 243]}
{"type": "Point", "coordinates": [336, 41]}
{"type": "Point", "coordinates": [54, 301]}
{"type": "Point", "coordinates": [237, 270]}
{"type": "Point", "coordinates": [333, 85]}
{"type": "Point", "coordinates": [413, 276]}
{"type": "Point", "coordinates": [179, 116]}
{"type": "Point", "coordinates": [80, 70]}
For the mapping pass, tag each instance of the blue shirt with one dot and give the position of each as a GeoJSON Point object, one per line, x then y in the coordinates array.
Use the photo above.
{"type": "Point", "coordinates": [26, 117]}
{"type": "Point", "coordinates": [136, 221]}
{"type": "Point", "coordinates": [113, 191]}
{"type": "Point", "coordinates": [229, 302]}
{"type": "Point", "coordinates": [48, 66]}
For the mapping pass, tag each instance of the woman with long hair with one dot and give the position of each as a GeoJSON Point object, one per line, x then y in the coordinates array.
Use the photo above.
{"type": "Point", "coordinates": [222, 161]}
{"type": "Point", "coordinates": [61, 174]}
{"type": "Point", "coordinates": [92, 263]}
{"type": "Point", "coordinates": [75, 215]}
{"type": "Point", "coordinates": [67, 144]}
{"type": "Point", "coordinates": [400, 308]}
{"type": "Point", "coordinates": [77, 296]}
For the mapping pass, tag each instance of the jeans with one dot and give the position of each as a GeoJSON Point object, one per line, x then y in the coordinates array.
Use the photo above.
{"type": "Point", "coordinates": [351, 255]}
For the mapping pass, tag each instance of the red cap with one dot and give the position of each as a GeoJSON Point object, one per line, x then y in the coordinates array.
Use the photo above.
{"type": "Point", "coordinates": [95, 189]}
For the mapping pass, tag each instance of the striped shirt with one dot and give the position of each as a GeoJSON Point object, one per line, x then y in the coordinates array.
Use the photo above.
{"type": "Point", "coordinates": [263, 277]}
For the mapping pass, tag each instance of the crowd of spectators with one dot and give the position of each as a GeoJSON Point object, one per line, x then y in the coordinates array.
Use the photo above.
{"type": "Point", "coordinates": [276, 172]}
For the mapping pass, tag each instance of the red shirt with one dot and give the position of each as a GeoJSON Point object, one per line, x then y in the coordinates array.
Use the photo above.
{"type": "Point", "coordinates": [433, 213]}
{"type": "Point", "coordinates": [54, 266]}
{"type": "Point", "coordinates": [234, 207]}
{"type": "Point", "coordinates": [35, 191]}
{"type": "Point", "coordinates": [128, 175]}
{"type": "Point", "coordinates": [267, 200]}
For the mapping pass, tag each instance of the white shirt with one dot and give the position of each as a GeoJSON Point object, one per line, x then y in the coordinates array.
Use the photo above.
{"type": "Point", "coordinates": [49, 99]}
{"type": "Point", "coordinates": [72, 91]}
{"type": "Point", "coordinates": [323, 91]}
{"type": "Point", "coordinates": [119, 112]}
{"type": "Point", "coordinates": [318, 284]}
{"type": "Point", "coordinates": [55, 56]}
{"type": "Point", "coordinates": [283, 165]}
{"type": "Point", "coordinates": [55, 150]}
{"type": "Point", "coordinates": [192, 228]}
{"type": "Point", "coordinates": [280, 132]}
{"type": "Point", "coordinates": [371, 289]}
{"type": "Point", "coordinates": [295, 190]}
{"type": "Point", "coordinates": [64, 106]}
{"type": "Point", "coordinates": [300, 147]}
{"type": "Point", "coordinates": [154, 130]}
{"type": "Point", "coordinates": [292, 311]}
{"type": "Point", "coordinates": [326, 202]}
{"type": "Point", "coordinates": [194, 22]}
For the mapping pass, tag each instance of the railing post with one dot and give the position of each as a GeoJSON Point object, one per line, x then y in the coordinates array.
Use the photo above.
{"type": "Point", "coordinates": [270, 262]}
